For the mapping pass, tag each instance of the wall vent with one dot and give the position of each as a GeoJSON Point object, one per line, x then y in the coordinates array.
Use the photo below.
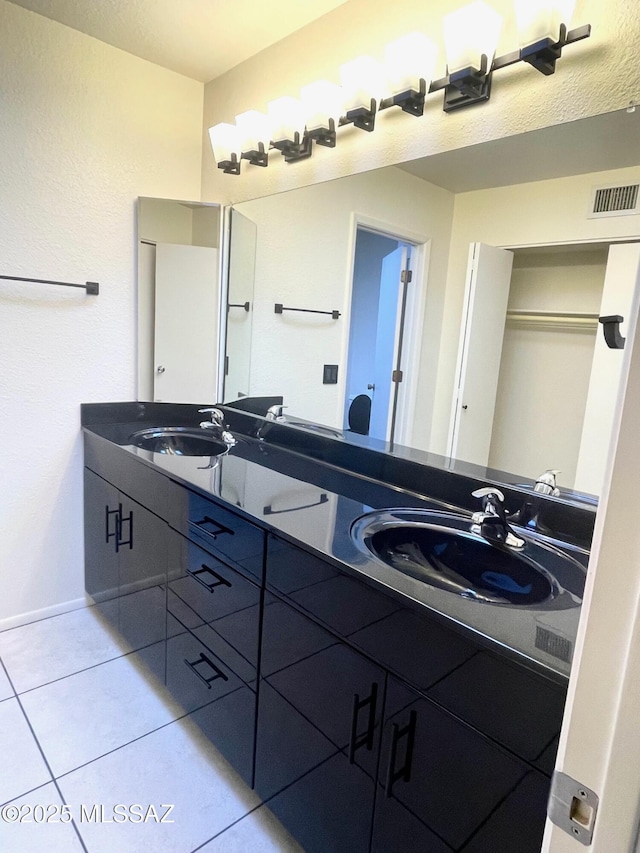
{"type": "Point", "coordinates": [615, 201]}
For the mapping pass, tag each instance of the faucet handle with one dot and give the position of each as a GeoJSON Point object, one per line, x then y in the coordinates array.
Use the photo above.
{"type": "Point", "coordinates": [217, 416]}
{"type": "Point", "coordinates": [276, 411]}
{"type": "Point", "coordinates": [487, 491]}
{"type": "Point", "coordinates": [546, 483]}
{"type": "Point", "coordinates": [492, 503]}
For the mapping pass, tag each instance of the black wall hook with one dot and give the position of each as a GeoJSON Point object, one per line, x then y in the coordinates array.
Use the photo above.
{"type": "Point", "coordinates": [611, 328]}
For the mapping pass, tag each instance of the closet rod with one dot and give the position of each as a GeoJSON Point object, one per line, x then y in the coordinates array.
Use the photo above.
{"type": "Point", "coordinates": [562, 315]}
{"type": "Point", "coordinates": [578, 320]}
{"type": "Point", "coordinates": [92, 288]}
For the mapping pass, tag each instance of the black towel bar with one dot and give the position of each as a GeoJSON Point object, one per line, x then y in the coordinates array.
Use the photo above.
{"type": "Point", "coordinates": [279, 308]}
{"type": "Point", "coordinates": [92, 288]}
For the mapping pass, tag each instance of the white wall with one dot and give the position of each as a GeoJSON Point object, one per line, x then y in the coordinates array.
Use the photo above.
{"type": "Point", "coordinates": [534, 214]}
{"type": "Point", "coordinates": [594, 76]}
{"type": "Point", "coordinates": [162, 220]}
{"type": "Point", "coordinates": [85, 130]}
{"type": "Point", "coordinates": [304, 260]}
{"type": "Point", "coordinates": [545, 371]}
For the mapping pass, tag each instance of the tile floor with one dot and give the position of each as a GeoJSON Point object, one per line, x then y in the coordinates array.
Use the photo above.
{"type": "Point", "coordinates": [83, 724]}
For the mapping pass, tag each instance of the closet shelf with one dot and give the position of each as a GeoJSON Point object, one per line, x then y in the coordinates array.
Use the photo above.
{"type": "Point", "coordinates": [578, 321]}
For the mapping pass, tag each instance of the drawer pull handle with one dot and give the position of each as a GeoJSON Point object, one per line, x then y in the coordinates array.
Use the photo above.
{"type": "Point", "coordinates": [219, 580]}
{"type": "Point", "coordinates": [404, 773]}
{"type": "Point", "coordinates": [120, 520]}
{"type": "Point", "coordinates": [218, 530]}
{"type": "Point", "coordinates": [117, 533]}
{"type": "Point", "coordinates": [357, 741]}
{"type": "Point", "coordinates": [109, 533]}
{"type": "Point", "coordinates": [218, 673]}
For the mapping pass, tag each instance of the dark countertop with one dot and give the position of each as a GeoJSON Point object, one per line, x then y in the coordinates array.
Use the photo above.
{"type": "Point", "coordinates": [314, 504]}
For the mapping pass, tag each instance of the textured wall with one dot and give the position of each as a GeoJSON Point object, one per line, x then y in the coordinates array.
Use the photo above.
{"type": "Point", "coordinates": [310, 267]}
{"type": "Point", "coordinates": [534, 214]}
{"type": "Point", "coordinates": [85, 129]}
{"type": "Point", "coordinates": [593, 77]}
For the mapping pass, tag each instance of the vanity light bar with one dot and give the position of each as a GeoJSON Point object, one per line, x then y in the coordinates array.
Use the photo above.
{"type": "Point", "coordinates": [292, 126]}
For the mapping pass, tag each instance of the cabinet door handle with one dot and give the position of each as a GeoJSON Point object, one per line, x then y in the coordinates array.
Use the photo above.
{"type": "Point", "coordinates": [110, 534]}
{"type": "Point", "coordinates": [203, 659]}
{"type": "Point", "coordinates": [404, 773]}
{"type": "Point", "coordinates": [218, 530]}
{"type": "Point", "coordinates": [357, 741]}
{"type": "Point", "coordinates": [219, 580]}
{"type": "Point", "coordinates": [120, 520]}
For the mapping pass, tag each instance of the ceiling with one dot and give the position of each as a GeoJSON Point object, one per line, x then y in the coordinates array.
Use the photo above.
{"type": "Point", "coordinates": [198, 38]}
{"type": "Point", "coordinates": [595, 144]}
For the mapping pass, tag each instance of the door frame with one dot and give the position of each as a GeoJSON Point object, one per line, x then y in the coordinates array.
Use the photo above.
{"type": "Point", "coordinates": [600, 739]}
{"type": "Point", "coordinates": [466, 305]}
{"type": "Point", "coordinates": [416, 302]}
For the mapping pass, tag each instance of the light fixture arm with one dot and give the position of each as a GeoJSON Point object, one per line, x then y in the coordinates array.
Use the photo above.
{"type": "Point", "coordinates": [361, 117]}
{"type": "Point", "coordinates": [462, 88]}
{"type": "Point", "coordinates": [230, 166]}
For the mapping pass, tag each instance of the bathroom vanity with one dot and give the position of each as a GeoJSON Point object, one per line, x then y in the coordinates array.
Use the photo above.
{"type": "Point", "coordinates": [371, 710]}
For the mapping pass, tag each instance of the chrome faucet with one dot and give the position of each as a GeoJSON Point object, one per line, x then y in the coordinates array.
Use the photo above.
{"type": "Point", "coordinates": [546, 483]}
{"type": "Point", "coordinates": [276, 412]}
{"type": "Point", "coordinates": [273, 413]}
{"type": "Point", "coordinates": [491, 522]}
{"type": "Point", "coordinates": [217, 423]}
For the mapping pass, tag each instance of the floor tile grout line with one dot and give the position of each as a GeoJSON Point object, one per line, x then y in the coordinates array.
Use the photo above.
{"type": "Point", "coordinates": [44, 758]}
{"type": "Point", "coordinates": [146, 734]}
{"type": "Point", "coordinates": [91, 666]}
{"type": "Point", "coordinates": [269, 799]}
{"type": "Point", "coordinates": [24, 794]}
{"type": "Point", "coordinates": [222, 831]}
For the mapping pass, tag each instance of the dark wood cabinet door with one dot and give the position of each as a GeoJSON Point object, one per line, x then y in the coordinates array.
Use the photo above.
{"type": "Point", "coordinates": [319, 715]}
{"type": "Point", "coordinates": [444, 785]}
{"type": "Point", "coordinates": [101, 505]}
{"type": "Point", "coordinates": [143, 554]}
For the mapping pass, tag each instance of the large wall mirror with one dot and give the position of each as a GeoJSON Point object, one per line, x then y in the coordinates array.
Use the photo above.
{"type": "Point", "coordinates": [459, 295]}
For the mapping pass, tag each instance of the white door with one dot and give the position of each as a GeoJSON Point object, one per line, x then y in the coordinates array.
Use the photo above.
{"type": "Point", "coordinates": [387, 336]}
{"type": "Point", "coordinates": [480, 351]}
{"type": "Point", "coordinates": [600, 739]}
{"type": "Point", "coordinates": [186, 324]}
{"type": "Point", "coordinates": [623, 264]}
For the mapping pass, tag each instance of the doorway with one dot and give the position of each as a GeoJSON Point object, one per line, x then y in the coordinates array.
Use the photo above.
{"type": "Point", "coordinates": [536, 383]}
{"type": "Point", "coordinates": [378, 356]}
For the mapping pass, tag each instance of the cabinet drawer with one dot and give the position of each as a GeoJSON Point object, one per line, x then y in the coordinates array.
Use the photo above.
{"type": "Point", "coordinates": [236, 541]}
{"type": "Point", "coordinates": [195, 675]}
{"type": "Point", "coordinates": [209, 587]}
{"type": "Point", "coordinates": [218, 702]}
{"type": "Point", "coordinates": [233, 642]}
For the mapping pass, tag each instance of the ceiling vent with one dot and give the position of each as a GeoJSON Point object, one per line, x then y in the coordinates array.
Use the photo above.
{"type": "Point", "coordinates": [615, 201]}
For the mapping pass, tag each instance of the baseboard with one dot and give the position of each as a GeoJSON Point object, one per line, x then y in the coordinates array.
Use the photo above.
{"type": "Point", "coordinates": [44, 613]}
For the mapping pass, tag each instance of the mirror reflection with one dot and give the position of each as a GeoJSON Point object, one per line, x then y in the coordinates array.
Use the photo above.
{"type": "Point", "coordinates": [450, 304]}
{"type": "Point", "coordinates": [492, 353]}
{"type": "Point", "coordinates": [178, 294]}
